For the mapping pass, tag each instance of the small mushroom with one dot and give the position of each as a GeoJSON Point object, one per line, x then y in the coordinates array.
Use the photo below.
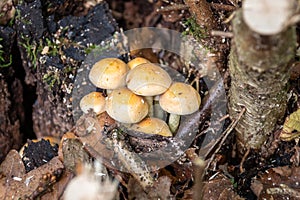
{"type": "Point", "coordinates": [179, 99]}
{"type": "Point", "coordinates": [109, 73]}
{"type": "Point", "coordinates": [125, 106]}
{"type": "Point", "coordinates": [152, 125]}
{"type": "Point", "coordinates": [94, 101]}
{"type": "Point", "coordinates": [137, 61]}
{"type": "Point", "coordinates": [148, 80]}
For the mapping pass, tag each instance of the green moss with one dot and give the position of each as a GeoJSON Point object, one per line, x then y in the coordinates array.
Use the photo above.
{"type": "Point", "coordinates": [32, 49]}
{"type": "Point", "coordinates": [98, 49]}
{"type": "Point", "coordinates": [3, 62]}
{"type": "Point", "coordinates": [51, 78]}
{"type": "Point", "coordinates": [90, 48]}
{"type": "Point", "coordinates": [18, 16]}
{"type": "Point", "coordinates": [234, 184]}
{"type": "Point", "coordinates": [53, 47]}
{"type": "Point", "coordinates": [193, 29]}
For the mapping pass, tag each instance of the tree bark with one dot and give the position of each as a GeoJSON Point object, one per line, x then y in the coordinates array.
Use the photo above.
{"type": "Point", "coordinates": [11, 113]}
{"type": "Point", "coordinates": [259, 69]}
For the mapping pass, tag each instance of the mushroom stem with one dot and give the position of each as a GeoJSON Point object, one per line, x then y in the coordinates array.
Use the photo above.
{"type": "Point", "coordinates": [149, 100]}
{"type": "Point", "coordinates": [158, 111]}
{"type": "Point", "coordinates": [173, 122]}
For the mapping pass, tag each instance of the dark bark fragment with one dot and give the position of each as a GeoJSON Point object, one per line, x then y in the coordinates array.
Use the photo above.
{"type": "Point", "coordinates": [36, 154]}
{"type": "Point", "coordinates": [259, 68]}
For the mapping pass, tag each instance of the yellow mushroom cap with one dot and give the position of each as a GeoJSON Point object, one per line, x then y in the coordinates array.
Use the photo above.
{"type": "Point", "coordinates": [109, 73]}
{"type": "Point", "coordinates": [124, 106]}
{"type": "Point", "coordinates": [94, 101]}
{"type": "Point", "coordinates": [137, 61]}
{"type": "Point", "coordinates": [153, 126]}
{"type": "Point", "coordinates": [148, 80]}
{"type": "Point", "coordinates": [180, 99]}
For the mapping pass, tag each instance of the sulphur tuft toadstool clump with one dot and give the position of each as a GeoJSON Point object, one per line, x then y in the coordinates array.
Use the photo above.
{"type": "Point", "coordinates": [131, 88]}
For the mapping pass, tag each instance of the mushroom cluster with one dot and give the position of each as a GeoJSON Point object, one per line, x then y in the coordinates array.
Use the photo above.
{"type": "Point", "coordinates": [133, 88]}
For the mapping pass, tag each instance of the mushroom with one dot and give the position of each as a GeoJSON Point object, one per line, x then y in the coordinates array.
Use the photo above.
{"type": "Point", "coordinates": [151, 125]}
{"type": "Point", "coordinates": [125, 106]}
{"type": "Point", "coordinates": [179, 99]}
{"type": "Point", "coordinates": [148, 80]}
{"type": "Point", "coordinates": [94, 101]}
{"type": "Point", "coordinates": [137, 61]}
{"type": "Point", "coordinates": [109, 73]}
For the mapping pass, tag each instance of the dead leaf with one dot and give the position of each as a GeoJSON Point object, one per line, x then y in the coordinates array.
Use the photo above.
{"type": "Point", "coordinates": [73, 153]}
{"type": "Point", "coordinates": [12, 166]}
{"type": "Point", "coordinates": [31, 184]}
{"type": "Point", "coordinates": [160, 189]}
{"type": "Point", "coordinates": [278, 183]}
{"type": "Point", "coordinates": [292, 122]}
{"type": "Point", "coordinates": [113, 152]}
{"type": "Point", "coordinates": [219, 188]}
{"type": "Point", "coordinates": [59, 187]}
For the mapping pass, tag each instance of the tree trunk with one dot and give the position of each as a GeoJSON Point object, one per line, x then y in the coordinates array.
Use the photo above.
{"type": "Point", "coordinates": [259, 69]}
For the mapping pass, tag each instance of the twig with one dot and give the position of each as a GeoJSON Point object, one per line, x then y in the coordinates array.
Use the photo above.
{"type": "Point", "coordinates": [225, 134]}
{"type": "Point", "coordinates": [199, 167]}
{"type": "Point", "coordinates": [223, 118]}
{"type": "Point", "coordinates": [222, 34]}
{"type": "Point", "coordinates": [218, 6]}
{"type": "Point", "coordinates": [243, 160]}
{"type": "Point", "coordinates": [174, 7]}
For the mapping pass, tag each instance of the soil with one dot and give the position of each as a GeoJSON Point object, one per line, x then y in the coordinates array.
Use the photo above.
{"type": "Point", "coordinates": [43, 45]}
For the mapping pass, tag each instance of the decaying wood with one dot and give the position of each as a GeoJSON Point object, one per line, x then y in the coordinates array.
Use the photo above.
{"type": "Point", "coordinates": [10, 119]}
{"type": "Point", "coordinates": [53, 43]}
{"type": "Point", "coordinates": [259, 69]}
